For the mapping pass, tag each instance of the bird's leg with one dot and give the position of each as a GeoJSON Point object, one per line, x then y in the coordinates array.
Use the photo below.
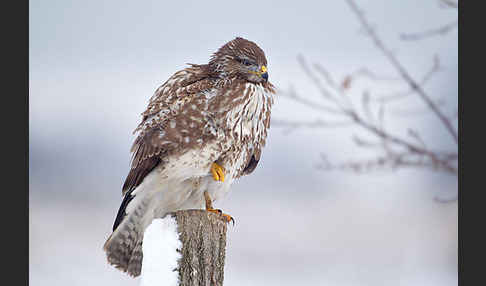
{"type": "Point", "coordinates": [218, 172]}
{"type": "Point", "coordinates": [209, 208]}
{"type": "Point", "coordinates": [209, 202]}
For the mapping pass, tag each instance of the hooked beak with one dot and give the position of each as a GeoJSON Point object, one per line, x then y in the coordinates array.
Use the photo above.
{"type": "Point", "coordinates": [264, 73]}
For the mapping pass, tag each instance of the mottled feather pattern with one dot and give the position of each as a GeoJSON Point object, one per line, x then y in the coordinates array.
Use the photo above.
{"type": "Point", "coordinates": [174, 121]}
{"type": "Point", "coordinates": [244, 111]}
{"type": "Point", "coordinates": [216, 112]}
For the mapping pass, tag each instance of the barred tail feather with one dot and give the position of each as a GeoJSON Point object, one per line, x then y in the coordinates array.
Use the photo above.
{"type": "Point", "coordinates": [154, 197]}
{"type": "Point", "coordinates": [124, 246]}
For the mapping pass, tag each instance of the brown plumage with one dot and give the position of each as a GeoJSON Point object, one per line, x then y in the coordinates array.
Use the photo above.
{"type": "Point", "coordinates": [213, 113]}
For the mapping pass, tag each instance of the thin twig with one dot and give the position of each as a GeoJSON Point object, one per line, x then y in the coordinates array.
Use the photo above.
{"type": "Point", "coordinates": [292, 94]}
{"type": "Point", "coordinates": [401, 70]}
{"type": "Point", "coordinates": [436, 67]}
{"type": "Point", "coordinates": [390, 160]}
{"type": "Point", "coordinates": [440, 31]}
{"type": "Point", "coordinates": [397, 152]}
{"type": "Point", "coordinates": [449, 3]}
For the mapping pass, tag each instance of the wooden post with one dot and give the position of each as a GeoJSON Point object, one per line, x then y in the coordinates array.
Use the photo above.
{"type": "Point", "coordinates": [203, 237]}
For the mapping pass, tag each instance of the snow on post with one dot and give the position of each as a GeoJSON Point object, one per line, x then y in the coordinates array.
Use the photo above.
{"type": "Point", "coordinates": [160, 249]}
{"type": "Point", "coordinates": [185, 248]}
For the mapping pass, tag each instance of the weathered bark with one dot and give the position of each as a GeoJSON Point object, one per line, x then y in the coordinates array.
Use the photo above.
{"type": "Point", "coordinates": [203, 237]}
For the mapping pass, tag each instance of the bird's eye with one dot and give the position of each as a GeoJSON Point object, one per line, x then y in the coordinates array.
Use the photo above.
{"type": "Point", "coordinates": [245, 62]}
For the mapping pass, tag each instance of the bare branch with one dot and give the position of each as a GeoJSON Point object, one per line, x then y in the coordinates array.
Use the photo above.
{"type": "Point", "coordinates": [449, 3]}
{"type": "Point", "coordinates": [440, 31]}
{"type": "Point", "coordinates": [394, 151]}
{"type": "Point", "coordinates": [348, 104]}
{"type": "Point", "coordinates": [365, 72]}
{"type": "Point", "coordinates": [436, 67]}
{"type": "Point", "coordinates": [445, 201]}
{"type": "Point", "coordinates": [414, 85]}
{"type": "Point", "coordinates": [419, 111]}
{"type": "Point", "coordinates": [414, 134]}
{"type": "Point", "coordinates": [389, 161]}
{"type": "Point", "coordinates": [316, 81]}
{"type": "Point", "coordinates": [292, 94]}
{"type": "Point", "coordinates": [364, 143]}
{"type": "Point", "coordinates": [327, 76]}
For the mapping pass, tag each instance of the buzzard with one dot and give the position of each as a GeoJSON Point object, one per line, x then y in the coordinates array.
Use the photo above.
{"type": "Point", "coordinates": [203, 128]}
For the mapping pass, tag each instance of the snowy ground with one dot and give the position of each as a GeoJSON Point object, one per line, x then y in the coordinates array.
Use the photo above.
{"type": "Point", "coordinates": [382, 236]}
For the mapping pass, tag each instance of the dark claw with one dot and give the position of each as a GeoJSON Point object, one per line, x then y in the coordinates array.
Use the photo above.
{"type": "Point", "coordinates": [221, 213]}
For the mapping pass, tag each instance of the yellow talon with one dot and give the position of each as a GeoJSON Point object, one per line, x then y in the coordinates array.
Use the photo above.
{"type": "Point", "coordinates": [209, 208]}
{"type": "Point", "coordinates": [218, 172]}
{"type": "Point", "coordinates": [226, 217]}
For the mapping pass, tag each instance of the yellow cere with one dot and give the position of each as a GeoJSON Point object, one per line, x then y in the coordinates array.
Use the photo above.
{"type": "Point", "coordinates": [263, 70]}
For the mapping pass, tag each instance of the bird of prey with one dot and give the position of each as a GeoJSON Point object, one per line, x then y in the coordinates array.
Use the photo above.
{"type": "Point", "coordinates": [203, 128]}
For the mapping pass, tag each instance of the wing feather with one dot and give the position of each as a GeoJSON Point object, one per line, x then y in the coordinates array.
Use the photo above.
{"type": "Point", "coordinates": [156, 137]}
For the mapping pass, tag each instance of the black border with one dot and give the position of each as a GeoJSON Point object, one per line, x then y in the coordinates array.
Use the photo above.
{"type": "Point", "coordinates": [15, 139]}
{"type": "Point", "coordinates": [15, 134]}
{"type": "Point", "coordinates": [471, 225]}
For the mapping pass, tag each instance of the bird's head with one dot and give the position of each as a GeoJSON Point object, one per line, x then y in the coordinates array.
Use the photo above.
{"type": "Point", "coordinates": [240, 58]}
